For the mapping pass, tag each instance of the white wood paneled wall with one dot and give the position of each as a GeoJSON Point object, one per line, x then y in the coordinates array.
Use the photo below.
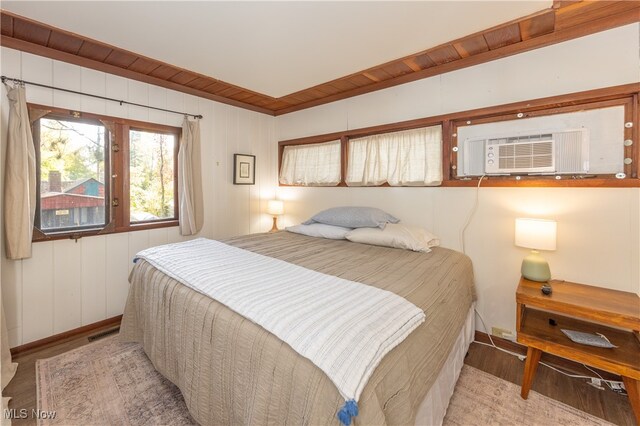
{"type": "Point", "coordinates": [598, 228]}
{"type": "Point", "coordinates": [66, 284]}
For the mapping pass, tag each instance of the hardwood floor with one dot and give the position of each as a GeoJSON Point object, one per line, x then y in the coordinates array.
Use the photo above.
{"type": "Point", "coordinates": [605, 404]}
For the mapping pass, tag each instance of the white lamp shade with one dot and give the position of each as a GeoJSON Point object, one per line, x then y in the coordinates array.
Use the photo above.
{"type": "Point", "coordinates": [275, 207]}
{"type": "Point", "coordinates": [537, 234]}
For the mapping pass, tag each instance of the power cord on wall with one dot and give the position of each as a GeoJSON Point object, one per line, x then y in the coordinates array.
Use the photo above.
{"type": "Point", "coordinates": [471, 214]}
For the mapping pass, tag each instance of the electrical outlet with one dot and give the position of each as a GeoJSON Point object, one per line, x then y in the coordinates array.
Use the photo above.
{"type": "Point", "coordinates": [618, 387]}
{"type": "Point", "coordinates": [503, 333]}
{"type": "Point", "coordinates": [596, 383]}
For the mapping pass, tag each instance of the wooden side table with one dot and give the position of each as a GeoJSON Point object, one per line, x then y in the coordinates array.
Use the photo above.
{"type": "Point", "coordinates": [582, 308]}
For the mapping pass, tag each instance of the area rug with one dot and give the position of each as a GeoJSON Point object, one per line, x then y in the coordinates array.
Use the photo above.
{"type": "Point", "coordinates": [482, 399]}
{"type": "Point", "coordinates": [108, 382]}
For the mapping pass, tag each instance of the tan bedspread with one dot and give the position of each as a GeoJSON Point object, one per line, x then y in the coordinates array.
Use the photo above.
{"type": "Point", "coordinates": [232, 371]}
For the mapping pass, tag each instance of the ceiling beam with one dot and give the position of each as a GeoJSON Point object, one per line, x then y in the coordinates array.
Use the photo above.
{"type": "Point", "coordinates": [601, 20]}
{"type": "Point", "coordinates": [565, 20]}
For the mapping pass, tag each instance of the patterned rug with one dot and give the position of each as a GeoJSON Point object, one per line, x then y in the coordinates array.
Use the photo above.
{"type": "Point", "coordinates": [482, 399]}
{"type": "Point", "coordinates": [108, 382]}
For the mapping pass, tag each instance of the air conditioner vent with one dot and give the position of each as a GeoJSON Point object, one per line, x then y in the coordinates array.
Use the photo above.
{"type": "Point", "coordinates": [512, 157]}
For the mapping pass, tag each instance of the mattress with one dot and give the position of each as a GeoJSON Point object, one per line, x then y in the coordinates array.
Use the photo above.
{"type": "Point", "coordinates": [231, 371]}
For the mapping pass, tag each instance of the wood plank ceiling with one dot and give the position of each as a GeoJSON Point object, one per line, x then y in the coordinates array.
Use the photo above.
{"type": "Point", "coordinates": [564, 21]}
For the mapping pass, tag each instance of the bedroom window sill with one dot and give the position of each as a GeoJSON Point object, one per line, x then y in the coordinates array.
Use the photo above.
{"type": "Point", "coordinates": [568, 182]}
{"type": "Point", "coordinates": [149, 225]}
{"type": "Point", "coordinates": [502, 182]}
{"type": "Point", "coordinates": [39, 236]}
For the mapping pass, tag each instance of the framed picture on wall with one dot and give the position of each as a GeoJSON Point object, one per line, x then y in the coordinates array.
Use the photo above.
{"type": "Point", "coordinates": [244, 169]}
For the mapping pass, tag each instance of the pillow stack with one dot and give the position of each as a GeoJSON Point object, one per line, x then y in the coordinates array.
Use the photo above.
{"type": "Point", "coordinates": [337, 222]}
{"type": "Point", "coordinates": [366, 225]}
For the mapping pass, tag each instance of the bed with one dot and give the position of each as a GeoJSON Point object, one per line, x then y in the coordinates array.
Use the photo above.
{"type": "Point", "coordinates": [232, 371]}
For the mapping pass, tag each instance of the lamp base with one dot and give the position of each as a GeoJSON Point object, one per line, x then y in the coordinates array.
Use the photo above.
{"type": "Point", "coordinates": [275, 225]}
{"type": "Point", "coordinates": [535, 268]}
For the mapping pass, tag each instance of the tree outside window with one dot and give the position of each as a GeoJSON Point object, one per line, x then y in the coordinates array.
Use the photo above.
{"type": "Point", "coordinates": [151, 175]}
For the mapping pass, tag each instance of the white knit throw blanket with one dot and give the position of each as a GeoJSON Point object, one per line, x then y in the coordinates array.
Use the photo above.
{"type": "Point", "coordinates": [345, 328]}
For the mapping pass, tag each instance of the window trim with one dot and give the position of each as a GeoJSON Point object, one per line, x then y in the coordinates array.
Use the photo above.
{"type": "Point", "coordinates": [343, 163]}
{"type": "Point", "coordinates": [625, 102]}
{"type": "Point", "coordinates": [125, 224]}
{"type": "Point", "coordinates": [56, 114]}
{"type": "Point", "coordinates": [627, 95]}
{"type": "Point", "coordinates": [387, 184]}
{"type": "Point", "coordinates": [117, 161]}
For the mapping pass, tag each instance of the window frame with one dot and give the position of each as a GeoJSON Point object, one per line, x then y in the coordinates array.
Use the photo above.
{"type": "Point", "coordinates": [629, 169]}
{"type": "Point", "coordinates": [117, 159]}
{"type": "Point", "coordinates": [315, 140]}
{"type": "Point", "coordinates": [386, 184]}
{"type": "Point", "coordinates": [35, 131]}
{"type": "Point", "coordinates": [343, 163]}
{"type": "Point", "coordinates": [627, 95]}
{"type": "Point", "coordinates": [150, 128]}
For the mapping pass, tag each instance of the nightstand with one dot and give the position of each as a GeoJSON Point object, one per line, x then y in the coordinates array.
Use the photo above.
{"type": "Point", "coordinates": [615, 314]}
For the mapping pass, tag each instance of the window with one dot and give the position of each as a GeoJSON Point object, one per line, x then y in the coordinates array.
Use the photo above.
{"type": "Point", "coordinates": [151, 175]}
{"type": "Point", "coordinates": [72, 174]}
{"type": "Point", "coordinates": [99, 174]}
{"type": "Point", "coordinates": [584, 139]}
{"type": "Point", "coordinates": [407, 158]}
{"type": "Point", "coordinates": [578, 143]}
{"type": "Point", "coordinates": [311, 164]}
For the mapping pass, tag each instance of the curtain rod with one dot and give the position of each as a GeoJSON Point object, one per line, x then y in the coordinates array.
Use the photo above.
{"type": "Point", "coordinates": [121, 102]}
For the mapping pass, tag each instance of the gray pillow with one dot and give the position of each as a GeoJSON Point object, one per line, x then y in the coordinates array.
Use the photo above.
{"type": "Point", "coordinates": [353, 217]}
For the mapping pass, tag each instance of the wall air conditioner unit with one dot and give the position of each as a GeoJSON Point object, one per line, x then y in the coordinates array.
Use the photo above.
{"type": "Point", "coordinates": [550, 152]}
{"type": "Point", "coordinates": [520, 157]}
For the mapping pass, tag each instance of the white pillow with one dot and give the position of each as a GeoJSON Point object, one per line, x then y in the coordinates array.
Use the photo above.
{"type": "Point", "coordinates": [320, 230]}
{"type": "Point", "coordinates": [397, 236]}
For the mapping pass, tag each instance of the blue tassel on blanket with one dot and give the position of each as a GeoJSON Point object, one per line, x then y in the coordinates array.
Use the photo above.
{"type": "Point", "coordinates": [349, 410]}
{"type": "Point", "coordinates": [135, 259]}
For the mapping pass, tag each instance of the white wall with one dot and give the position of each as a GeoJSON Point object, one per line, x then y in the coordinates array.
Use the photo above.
{"type": "Point", "coordinates": [66, 284]}
{"type": "Point", "coordinates": [598, 229]}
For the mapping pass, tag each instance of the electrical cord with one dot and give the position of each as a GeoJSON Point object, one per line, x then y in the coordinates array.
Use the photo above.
{"type": "Point", "coordinates": [520, 356]}
{"type": "Point", "coordinates": [471, 214]}
{"type": "Point", "coordinates": [523, 357]}
{"type": "Point", "coordinates": [598, 374]}
{"type": "Point", "coordinates": [579, 376]}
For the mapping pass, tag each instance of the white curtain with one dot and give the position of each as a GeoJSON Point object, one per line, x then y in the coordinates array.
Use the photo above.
{"type": "Point", "coordinates": [190, 179]}
{"type": "Point", "coordinates": [311, 165]}
{"type": "Point", "coordinates": [19, 178]}
{"type": "Point", "coordinates": [407, 158]}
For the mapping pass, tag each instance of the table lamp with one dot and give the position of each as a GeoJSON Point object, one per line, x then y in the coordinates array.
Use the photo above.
{"type": "Point", "coordinates": [536, 234]}
{"type": "Point", "coordinates": [275, 208]}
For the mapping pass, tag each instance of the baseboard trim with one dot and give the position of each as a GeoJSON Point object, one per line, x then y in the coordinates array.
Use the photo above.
{"type": "Point", "coordinates": [556, 361]}
{"type": "Point", "coordinates": [67, 335]}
